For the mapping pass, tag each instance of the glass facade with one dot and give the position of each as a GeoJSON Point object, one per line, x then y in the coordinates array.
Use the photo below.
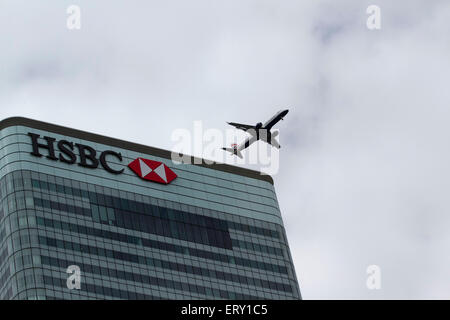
{"type": "Point", "coordinates": [210, 234]}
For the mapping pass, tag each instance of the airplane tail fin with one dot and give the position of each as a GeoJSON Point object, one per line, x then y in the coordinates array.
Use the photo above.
{"type": "Point", "coordinates": [234, 151]}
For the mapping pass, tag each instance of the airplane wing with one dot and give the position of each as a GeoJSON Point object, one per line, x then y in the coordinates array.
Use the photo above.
{"type": "Point", "coordinates": [241, 126]}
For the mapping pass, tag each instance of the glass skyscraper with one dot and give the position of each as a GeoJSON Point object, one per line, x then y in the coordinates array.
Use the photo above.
{"type": "Point", "coordinates": [136, 225]}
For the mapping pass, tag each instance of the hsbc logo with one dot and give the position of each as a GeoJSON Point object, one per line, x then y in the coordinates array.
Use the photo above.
{"type": "Point", "coordinates": [152, 170]}
{"type": "Point", "coordinates": [88, 157]}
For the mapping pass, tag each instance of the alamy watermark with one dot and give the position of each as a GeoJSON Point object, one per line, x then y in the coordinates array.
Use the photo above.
{"type": "Point", "coordinates": [74, 279]}
{"type": "Point", "coordinates": [373, 281]}
{"type": "Point", "coordinates": [374, 20]}
{"type": "Point", "coordinates": [74, 19]}
{"type": "Point", "coordinates": [209, 143]}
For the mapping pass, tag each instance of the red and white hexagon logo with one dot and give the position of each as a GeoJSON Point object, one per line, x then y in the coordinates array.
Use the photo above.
{"type": "Point", "coordinates": [152, 170]}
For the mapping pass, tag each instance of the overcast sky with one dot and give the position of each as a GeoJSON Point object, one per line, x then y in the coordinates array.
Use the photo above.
{"type": "Point", "coordinates": [364, 176]}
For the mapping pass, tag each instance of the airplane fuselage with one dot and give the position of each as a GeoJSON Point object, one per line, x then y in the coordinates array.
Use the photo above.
{"type": "Point", "coordinates": [258, 132]}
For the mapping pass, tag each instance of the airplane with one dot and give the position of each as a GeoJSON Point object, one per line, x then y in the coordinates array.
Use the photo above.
{"type": "Point", "coordinates": [255, 133]}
